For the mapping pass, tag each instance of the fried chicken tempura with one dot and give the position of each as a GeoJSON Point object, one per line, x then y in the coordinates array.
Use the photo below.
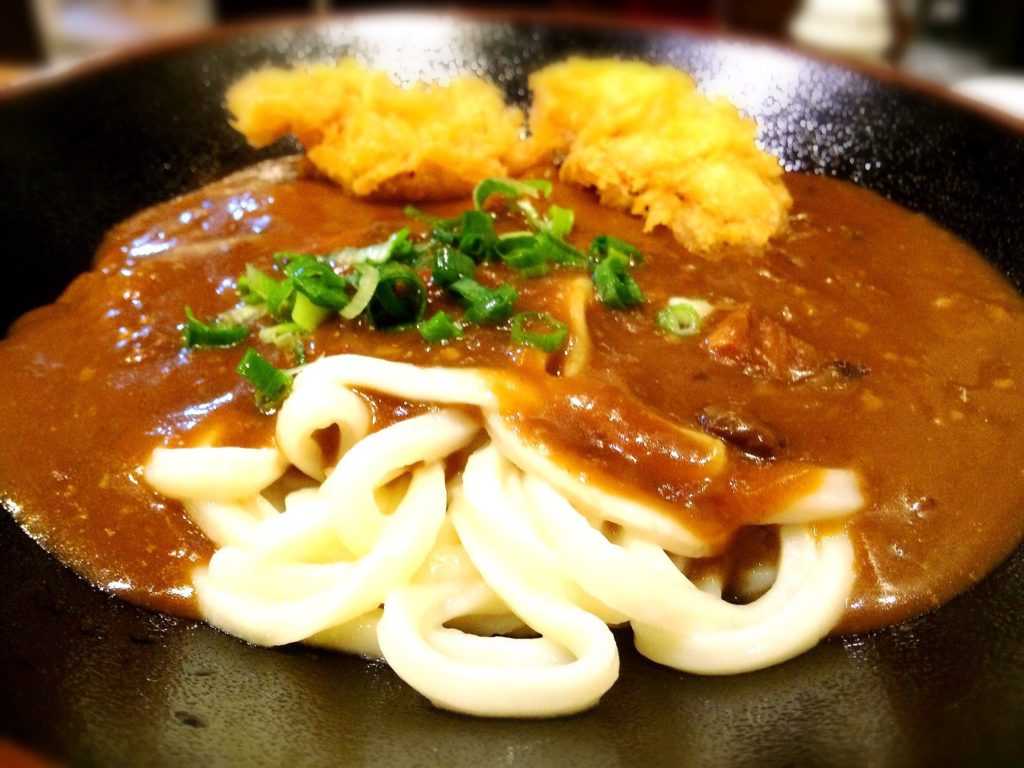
{"type": "Point", "coordinates": [640, 135]}
{"type": "Point", "coordinates": [647, 141]}
{"type": "Point", "coordinates": [375, 138]}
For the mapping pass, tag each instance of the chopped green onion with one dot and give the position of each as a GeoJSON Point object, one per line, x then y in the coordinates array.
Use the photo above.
{"type": "Point", "coordinates": [486, 306]}
{"type": "Point", "coordinates": [559, 221]}
{"type": "Point", "coordinates": [531, 254]}
{"type": "Point", "coordinates": [439, 328]}
{"type": "Point", "coordinates": [528, 212]}
{"type": "Point", "coordinates": [271, 385]}
{"type": "Point", "coordinates": [377, 253]}
{"type": "Point", "coordinates": [613, 283]}
{"type": "Point", "coordinates": [307, 315]}
{"type": "Point", "coordinates": [241, 314]}
{"type": "Point", "coordinates": [412, 212]}
{"type": "Point", "coordinates": [317, 281]}
{"type": "Point", "coordinates": [451, 265]}
{"type": "Point", "coordinates": [445, 232]}
{"type": "Point", "coordinates": [368, 278]}
{"type": "Point", "coordinates": [539, 329]}
{"type": "Point", "coordinates": [470, 290]}
{"type": "Point", "coordinates": [299, 351]}
{"type": "Point", "coordinates": [684, 316]}
{"type": "Point", "coordinates": [281, 335]}
{"type": "Point", "coordinates": [521, 251]}
{"type": "Point", "coordinates": [472, 232]}
{"type": "Point", "coordinates": [255, 286]}
{"type": "Point", "coordinates": [496, 308]}
{"type": "Point", "coordinates": [557, 250]}
{"type": "Point", "coordinates": [475, 235]}
{"type": "Point", "coordinates": [680, 319]}
{"type": "Point", "coordinates": [399, 299]}
{"type": "Point", "coordinates": [398, 247]}
{"type": "Point", "coordinates": [283, 258]}
{"type": "Point", "coordinates": [605, 245]}
{"type": "Point", "coordinates": [401, 247]}
{"type": "Point", "coordinates": [199, 334]}
{"type": "Point", "coordinates": [510, 189]}
{"type": "Point", "coordinates": [281, 299]}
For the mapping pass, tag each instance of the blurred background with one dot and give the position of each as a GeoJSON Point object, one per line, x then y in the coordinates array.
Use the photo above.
{"type": "Point", "coordinates": [974, 46]}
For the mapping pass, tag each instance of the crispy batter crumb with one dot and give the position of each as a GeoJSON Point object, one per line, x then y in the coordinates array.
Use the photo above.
{"type": "Point", "coordinates": [647, 141]}
{"type": "Point", "coordinates": [376, 138]}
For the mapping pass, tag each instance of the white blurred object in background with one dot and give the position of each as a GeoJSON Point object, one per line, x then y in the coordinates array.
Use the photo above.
{"type": "Point", "coordinates": [1005, 92]}
{"type": "Point", "coordinates": [859, 28]}
{"type": "Point", "coordinates": [74, 28]}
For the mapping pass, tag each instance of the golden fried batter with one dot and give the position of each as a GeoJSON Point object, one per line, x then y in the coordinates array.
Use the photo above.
{"type": "Point", "coordinates": [647, 141]}
{"type": "Point", "coordinates": [641, 135]}
{"type": "Point", "coordinates": [375, 138]}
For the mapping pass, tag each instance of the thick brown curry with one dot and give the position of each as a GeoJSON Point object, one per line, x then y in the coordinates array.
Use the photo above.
{"type": "Point", "coordinates": [866, 337]}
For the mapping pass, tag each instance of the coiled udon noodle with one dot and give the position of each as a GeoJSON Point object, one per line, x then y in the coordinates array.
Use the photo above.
{"type": "Point", "coordinates": [492, 591]}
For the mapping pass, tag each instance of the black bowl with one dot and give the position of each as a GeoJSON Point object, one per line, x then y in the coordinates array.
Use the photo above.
{"type": "Point", "coordinates": [90, 680]}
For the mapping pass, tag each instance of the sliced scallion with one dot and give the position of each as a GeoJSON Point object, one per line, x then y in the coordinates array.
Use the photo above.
{"type": "Point", "coordinates": [199, 334]}
{"type": "Point", "coordinates": [439, 328]}
{"type": "Point", "coordinates": [398, 247]}
{"type": "Point", "coordinates": [366, 285]}
{"type": "Point", "coordinates": [540, 330]}
{"type": "Point", "coordinates": [613, 283]}
{"type": "Point", "coordinates": [445, 231]}
{"type": "Point", "coordinates": [559, 221]}
{"type": "Point", "coordinates": [271, 384]}
{"type": "Point", "coordinates": [486, 306]}
{"type": "Point", "coordinates": [283, 258]}
{"type": "Point", "coordinates": [475, 235]}
{"type": "Point", "coordinates": [241, 314]}
{"type": "Point", "coordinates": [603, 246]}
{"type": "Point", "coordinates": [494, 309]}
{"type": "Point", "coordinates": [680, 319]}
{"type": "Point", "coordinates": [521, 252]}
{"type": "Point", "coordinates": [510, 189]}
{"type": "Point", "coordinates": [281, 298]}
{"type": "Point", "coordinates": [317, 281]}
{"type": "Point", "coordinates": [683, 316]}
{"type": "Point", "coordinates": [412, 212]}
{"type": "Point", "coordinates": [451, 265]}
{"type": "Point", "coordinates": [307, 315]}
{"type": "Point", "coordinates": [282, 335]}
{"type": "Point", "coordinates": [559, 251]}
{"type": "Point", "coordinates": [399, 298]}
{"type": "Point", "coordinates": [528, 212]}
{"type": "Point", "coordinates": [255, 286]}
{"type": "Point", "coordinates": [469, 289]}
{"type": "Point", "coordinates": [401, 247]}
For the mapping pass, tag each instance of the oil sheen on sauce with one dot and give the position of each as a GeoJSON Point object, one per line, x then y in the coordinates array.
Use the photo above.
{"type": "Point", "coordinates": [931, 420]}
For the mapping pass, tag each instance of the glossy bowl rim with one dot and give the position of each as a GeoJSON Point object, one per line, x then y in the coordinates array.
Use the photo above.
{"type": "Point", "coordinates": [57, 75]}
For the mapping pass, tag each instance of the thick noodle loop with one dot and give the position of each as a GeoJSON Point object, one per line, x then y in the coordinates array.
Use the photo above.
{"type": "Point", "coordinates": [491, 591]}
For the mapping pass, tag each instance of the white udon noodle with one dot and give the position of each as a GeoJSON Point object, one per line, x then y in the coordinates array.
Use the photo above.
{"type": "Point", "coordinates": [492, 592]}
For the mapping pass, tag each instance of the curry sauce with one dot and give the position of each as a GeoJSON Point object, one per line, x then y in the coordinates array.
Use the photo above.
{"type": "Point", "coordinates": [902, 357]}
